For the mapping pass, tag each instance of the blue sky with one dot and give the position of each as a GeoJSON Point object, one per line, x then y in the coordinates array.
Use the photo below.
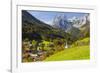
{"type": "Point", "coordinates": [47, 16]}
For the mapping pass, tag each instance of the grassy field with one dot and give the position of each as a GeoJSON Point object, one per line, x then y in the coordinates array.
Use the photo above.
{"type": "Point", "coordinates": [76, 52]}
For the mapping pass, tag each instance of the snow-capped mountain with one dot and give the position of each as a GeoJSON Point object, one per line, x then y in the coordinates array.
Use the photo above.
{"type": "Point", "coordinates": [79, 22]}
{"type": "Point", "coordinates": [66, 24]}
{"type": "Point", "coordinates": [74, 25]}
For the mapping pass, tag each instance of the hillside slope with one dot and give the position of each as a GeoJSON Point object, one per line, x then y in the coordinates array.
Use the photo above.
{"type": "Point", "coordinates": [31, 27]}
{"type": "Point", "coordinates": [77, 52]}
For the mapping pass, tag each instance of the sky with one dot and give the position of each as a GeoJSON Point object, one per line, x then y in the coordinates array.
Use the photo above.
{"type": "Point", "coordinates": [48, 16]}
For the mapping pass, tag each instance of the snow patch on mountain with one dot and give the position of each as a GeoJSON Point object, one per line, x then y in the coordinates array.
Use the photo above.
{"type": "Point", "coordinates": [64, 23]}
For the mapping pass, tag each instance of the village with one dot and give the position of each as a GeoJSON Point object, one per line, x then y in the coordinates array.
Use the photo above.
{"type": "Point", "coordinates": [33, 51]}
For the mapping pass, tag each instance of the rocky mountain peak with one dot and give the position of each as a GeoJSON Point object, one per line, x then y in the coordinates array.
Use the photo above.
{"type": "Point", "coordinates": [61, 22]}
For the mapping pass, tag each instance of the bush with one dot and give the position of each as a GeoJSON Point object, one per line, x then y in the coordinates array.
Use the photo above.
{"type": "Point", "coordinates": [85, 41]}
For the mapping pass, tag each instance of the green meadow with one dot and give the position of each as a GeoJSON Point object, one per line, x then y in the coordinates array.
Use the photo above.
{"type": "Point", "coordinates": [78, 51]}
